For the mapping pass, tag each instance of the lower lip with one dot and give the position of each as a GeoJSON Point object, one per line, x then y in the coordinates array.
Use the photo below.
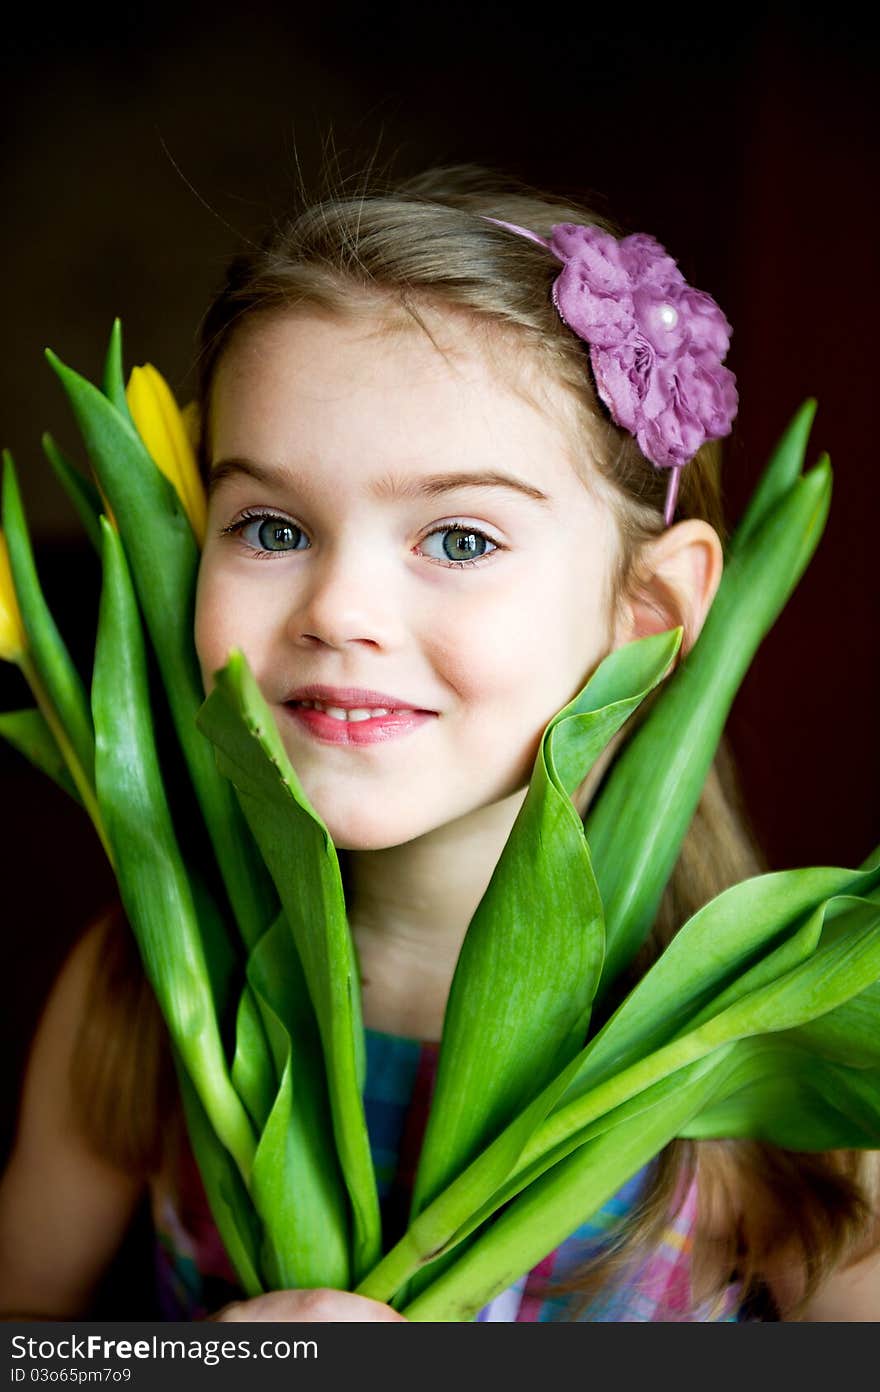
{"type": "Point", "coordinates": [376, 730]}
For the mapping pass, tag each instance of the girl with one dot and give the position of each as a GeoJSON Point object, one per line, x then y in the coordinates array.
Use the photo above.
{"type": "Point", "coordinates": [438, 500]}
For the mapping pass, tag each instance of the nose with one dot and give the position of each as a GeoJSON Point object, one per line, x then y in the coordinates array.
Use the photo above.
{"type": "Point", "coordinates": [348, 597]}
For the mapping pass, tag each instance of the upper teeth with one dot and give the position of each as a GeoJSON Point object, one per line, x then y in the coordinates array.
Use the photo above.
{"type": "Point", "coordinates": [340, 713]}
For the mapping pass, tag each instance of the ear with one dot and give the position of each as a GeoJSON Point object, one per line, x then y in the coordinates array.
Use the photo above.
{"type": "Point", "coordinates": [675, 580]}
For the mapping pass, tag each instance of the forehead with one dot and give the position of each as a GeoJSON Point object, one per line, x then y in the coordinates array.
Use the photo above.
{"type": "Point", "coordinates": [422, 382]}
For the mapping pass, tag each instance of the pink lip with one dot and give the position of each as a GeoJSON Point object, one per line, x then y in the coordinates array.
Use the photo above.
{"type": "Point", "coordinates": [377, 730]}
{"type": "Point", "coordinates": [352, 698]}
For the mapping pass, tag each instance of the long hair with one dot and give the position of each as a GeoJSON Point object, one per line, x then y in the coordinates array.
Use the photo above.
{"type": "Point", "coordinates": [390, 250]}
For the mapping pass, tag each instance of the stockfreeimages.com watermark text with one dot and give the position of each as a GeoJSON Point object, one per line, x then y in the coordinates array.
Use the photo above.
{"type": "Point", "coordinates": [97, 1348]}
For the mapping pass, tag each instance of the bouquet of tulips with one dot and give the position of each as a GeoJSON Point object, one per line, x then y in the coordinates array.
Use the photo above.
{"type": "Point", "coordinates": [761, 1019]}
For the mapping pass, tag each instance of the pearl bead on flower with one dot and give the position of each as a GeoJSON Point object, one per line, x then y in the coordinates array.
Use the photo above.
{"type": "Point", "coordinates": [668, 316]}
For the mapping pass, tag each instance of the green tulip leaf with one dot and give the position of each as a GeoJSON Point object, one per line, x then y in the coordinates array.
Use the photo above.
{"type": "Point", "coordinates": [253, 1070]}
{"type": "Point", "coordinates": [163, 556]}
{"type": "Point", "coordinates": [298, 1188]}
{"type": "Point", "coordinates": [764, 1068]}
{"type": "Point", "coordinates": [80, 490]}
{"type": "Point", "coordinates": [27, 731]}
{"type": "Point", "coordinates": [154, 886]}
{"type": "Point", "coordinates": [520, 1000]}
{"type": "Point", "coordinates": [47, 651]}
{"type": "Point", "coordinates": [228, 1199]}
{"type": "Point", "coordinates": [785, 465]}
{"type": "Point", "coordinates": [557, 1202]}
{"type": "Point", "coordinates": [711, 956]}
{"type": "Point", "coordinates": [790, 1096]}
{"type": "Point", "coordinates": [301, 859]}
{"type": "Point", "coordinates": [732, 953]}
{"type": "Point", "coordinates": [114, 374]}
{"type": "Point", "coordinates": [655, 784]}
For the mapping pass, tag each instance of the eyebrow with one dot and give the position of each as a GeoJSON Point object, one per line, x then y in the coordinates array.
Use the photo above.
{"type": "Point", "coordinates": [431, 486]}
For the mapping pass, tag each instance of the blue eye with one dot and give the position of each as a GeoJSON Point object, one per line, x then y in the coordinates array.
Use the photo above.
{"type": "Point", "coordinates": [269, 534]}
{"type": "Point", "coordinates": [459, 545]}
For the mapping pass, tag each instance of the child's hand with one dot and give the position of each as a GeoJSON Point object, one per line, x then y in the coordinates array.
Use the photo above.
{"type": "Point", "coordinates": [322, 1306]}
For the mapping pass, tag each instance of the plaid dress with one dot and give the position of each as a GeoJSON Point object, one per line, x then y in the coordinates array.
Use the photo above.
{"type": "Point", "coordinates": [194, 1276]}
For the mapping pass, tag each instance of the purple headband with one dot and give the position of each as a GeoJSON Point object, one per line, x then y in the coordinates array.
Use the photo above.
{"type": "Point", "coordinates": [656, 345]}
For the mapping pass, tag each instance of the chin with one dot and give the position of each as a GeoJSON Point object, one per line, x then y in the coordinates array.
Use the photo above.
{"type": "Point", "coordinates": [367, 841]}
{"type": "Point", "coordinates": [361, 831]}
{"type": "Point", "coordinates": [358, 832]}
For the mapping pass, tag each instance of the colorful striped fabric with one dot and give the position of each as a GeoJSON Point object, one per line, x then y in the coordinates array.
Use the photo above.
{"type": "Point", "coordinates": [195, 1278]}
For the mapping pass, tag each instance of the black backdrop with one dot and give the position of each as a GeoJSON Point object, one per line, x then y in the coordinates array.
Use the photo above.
{"type": "Point", "coordinates": [141, 143]}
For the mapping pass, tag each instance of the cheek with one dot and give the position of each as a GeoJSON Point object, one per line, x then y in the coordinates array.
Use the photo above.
{"type": "Point", "coordinates": [218, 623]}
{"type": "Point", "coordinates": [477, 649]}
{"type": "Point", "coordinates": [207, 640]}
{"type": "Point", "coordinates": [540, 634]}
{"type": "Point", "coordinates": [533, 646]}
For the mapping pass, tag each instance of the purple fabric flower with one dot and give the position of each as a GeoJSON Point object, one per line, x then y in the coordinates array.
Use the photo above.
{"type": "Point", "coordinates": [656, 345]}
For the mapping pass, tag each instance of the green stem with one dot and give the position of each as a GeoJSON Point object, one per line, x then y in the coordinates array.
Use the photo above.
{"type": "Point", "coordinates": [395, 1268]}
{"type": "Point", "coordinates": [557, 1137]}
{"type": "Point", "coordinates": [50, 715]}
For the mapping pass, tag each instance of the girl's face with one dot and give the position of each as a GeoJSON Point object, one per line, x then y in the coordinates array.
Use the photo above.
{"type": "Point", "coordinates": [397, 527]}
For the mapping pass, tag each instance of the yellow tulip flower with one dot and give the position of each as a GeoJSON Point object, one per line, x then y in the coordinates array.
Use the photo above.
{"type": "Point", "coordinates": [167, 434]}
{"type": "Point", "coordinates": [13, 639]}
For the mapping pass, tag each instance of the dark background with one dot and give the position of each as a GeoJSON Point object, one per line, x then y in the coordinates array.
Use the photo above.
{"type": "Point", "coordinates": [141, 144]}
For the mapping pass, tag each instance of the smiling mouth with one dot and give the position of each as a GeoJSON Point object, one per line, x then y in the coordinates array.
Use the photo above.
{"type": "Point", "coordinates": [359, 714]}
{"type": "Point", "coordinates": [355, 725]}
{"type": "Point", "coordinates": [353, 714]}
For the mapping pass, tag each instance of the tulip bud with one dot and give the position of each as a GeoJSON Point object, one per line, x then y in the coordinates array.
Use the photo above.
{"type": "Point", "coordinates": [13, 639]}
{"type": "Point", "coordinates": [164, 431]}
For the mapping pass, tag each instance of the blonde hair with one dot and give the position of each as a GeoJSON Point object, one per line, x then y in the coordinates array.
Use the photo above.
{"type": "Point", "coordinates": [425, 243]}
